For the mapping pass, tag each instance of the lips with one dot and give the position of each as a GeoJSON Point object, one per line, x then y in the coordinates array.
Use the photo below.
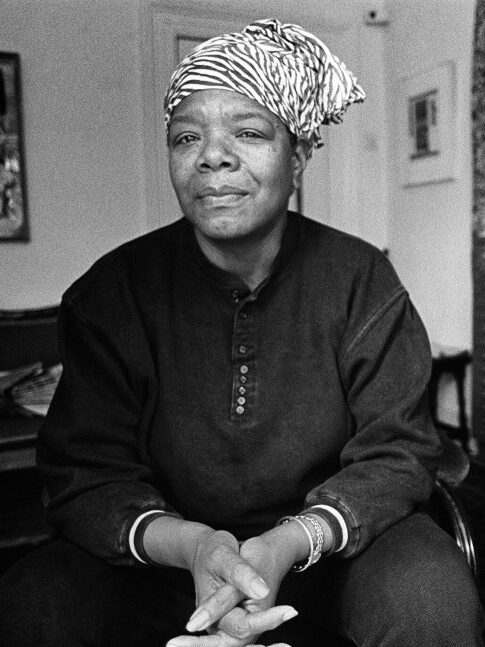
{"type": "Point", "coordinates": [221, 197]}
{"type": "Point", "coordinates": [218, 192]}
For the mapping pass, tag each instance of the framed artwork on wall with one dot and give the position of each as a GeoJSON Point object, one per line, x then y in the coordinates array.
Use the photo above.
{"type": "Point", "coordinates": [427, 120]}
{"type": "Point", "coordinates": [13, 198]}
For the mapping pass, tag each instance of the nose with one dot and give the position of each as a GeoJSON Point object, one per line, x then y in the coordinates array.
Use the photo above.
{"type": "Point", "coordinates": [216, 154]}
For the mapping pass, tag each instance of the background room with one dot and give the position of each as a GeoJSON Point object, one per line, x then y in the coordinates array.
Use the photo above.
{"type": "Point", "coordinates": [93, 75]}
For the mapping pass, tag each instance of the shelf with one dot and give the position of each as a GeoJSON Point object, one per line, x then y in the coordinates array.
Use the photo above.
{"type": "Point", "coordinates": [17, 459]}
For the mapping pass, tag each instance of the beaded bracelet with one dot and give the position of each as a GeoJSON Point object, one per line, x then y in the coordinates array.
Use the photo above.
{"type": "Point", "coordinates": [319, 533]}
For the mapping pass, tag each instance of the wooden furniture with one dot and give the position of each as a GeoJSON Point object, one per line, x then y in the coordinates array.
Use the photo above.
{"type": "Point", "coordinates": [453, 362]}
{"type": "Point", "coordinates": [26, 337]}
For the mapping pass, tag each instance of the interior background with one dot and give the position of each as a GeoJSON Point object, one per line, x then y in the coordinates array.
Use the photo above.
{"type": "Point", "coordinates": [92, 77]}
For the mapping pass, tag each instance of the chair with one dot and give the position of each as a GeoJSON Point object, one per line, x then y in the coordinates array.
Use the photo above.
{"type": "Point", "coordinates": [445, 505]}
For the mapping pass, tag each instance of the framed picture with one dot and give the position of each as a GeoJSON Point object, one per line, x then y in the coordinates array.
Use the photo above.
{"type": "Point", "coordinates": [428, 126]}
{"type": "Point", "coordinates": [13, 198]}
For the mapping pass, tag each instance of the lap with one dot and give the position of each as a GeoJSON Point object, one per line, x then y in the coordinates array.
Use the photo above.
{"type": "Point", "coordinates": [67, 597]}
{"type": "Point", "coordinates": [413, 574]}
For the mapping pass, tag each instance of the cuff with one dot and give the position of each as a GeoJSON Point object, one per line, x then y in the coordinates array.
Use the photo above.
{"type": "Point", "coordinates": [337, 523]}
{"type": "Point", "coordinates": [137, 530]}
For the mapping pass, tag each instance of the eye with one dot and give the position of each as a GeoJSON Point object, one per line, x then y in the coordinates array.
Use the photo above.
{"type": "Point", "coordinates": [251, 134]}
{"type": "Point", "coordinates": [184, 139]}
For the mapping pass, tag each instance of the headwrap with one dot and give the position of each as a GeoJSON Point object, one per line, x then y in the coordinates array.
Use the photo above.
{"type": "Point", "coordinates": [281, 66]}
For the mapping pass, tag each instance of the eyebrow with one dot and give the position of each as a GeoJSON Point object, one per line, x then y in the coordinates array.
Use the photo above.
{"type": "Point", "coordinates": [241, 116]}
{"type": "Point", "coordinates": [238, 116]}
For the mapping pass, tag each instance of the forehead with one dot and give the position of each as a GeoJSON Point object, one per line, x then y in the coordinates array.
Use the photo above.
{"type": "Point", "coordinates": [212, 105]}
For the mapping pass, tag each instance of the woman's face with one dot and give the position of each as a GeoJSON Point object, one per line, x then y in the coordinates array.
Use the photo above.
{"type": "Point", "coordinates": [232, 165]}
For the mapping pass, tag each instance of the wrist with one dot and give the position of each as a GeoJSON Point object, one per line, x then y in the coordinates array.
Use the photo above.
{"type": "Point", "coordinates": [320, 538]}
{"type": "Point", "coordinates": [289, 543]}
{"type": "Point", "coordinates": [171, 541]}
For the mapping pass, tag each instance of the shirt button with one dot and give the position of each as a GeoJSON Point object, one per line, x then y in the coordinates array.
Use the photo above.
{"type": "Point", "coordinates": [244, 369]}
{"type": "Point", "coordinates": [242, 390]}
{"type": "Point", "coordinates": [243, 379]}
{"type": "Point", "coordinates": [242, 349]}
{"type": "Point", "coordinates": [241, 400]}
{"type": "Point", "coordinates": [239, 410]}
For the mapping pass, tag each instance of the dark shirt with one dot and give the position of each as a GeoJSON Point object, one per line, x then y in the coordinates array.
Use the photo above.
{"type": "Point", "coordinates": [183, 390]}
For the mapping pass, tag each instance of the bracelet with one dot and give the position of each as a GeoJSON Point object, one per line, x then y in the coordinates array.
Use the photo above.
{"type": "Point", "coordinates": [319, 532]}
{"type": "Point", "coordinates": [301, 566]}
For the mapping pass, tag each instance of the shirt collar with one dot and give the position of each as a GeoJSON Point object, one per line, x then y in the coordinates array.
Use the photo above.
{"type": "Point", "coordinates": [289, 244]}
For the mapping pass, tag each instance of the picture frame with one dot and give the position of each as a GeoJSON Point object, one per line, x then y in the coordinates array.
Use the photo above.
{"type": "Point", "coordinates": [14, 223]}
{"type": "Point", "coordinates": [427, 122]}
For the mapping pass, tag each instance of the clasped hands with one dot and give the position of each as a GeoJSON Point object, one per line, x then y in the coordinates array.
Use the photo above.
{"type": "Point", "coordinates": [236, 587]}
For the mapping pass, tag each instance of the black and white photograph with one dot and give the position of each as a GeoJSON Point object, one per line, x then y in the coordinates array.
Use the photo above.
{"type": "Point", "coordinates": [242, 323]}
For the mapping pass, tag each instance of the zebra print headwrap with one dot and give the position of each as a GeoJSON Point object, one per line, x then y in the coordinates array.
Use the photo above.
{"type": "Point", "coordinates": [281, 66]}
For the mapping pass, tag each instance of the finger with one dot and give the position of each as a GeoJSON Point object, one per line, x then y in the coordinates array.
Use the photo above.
{"type": "Point", "coordinates": [214, 607]}
{"type": "Point", "coordinates": [261, 621]}
{"type": "Point", "coordinates": [235, 623]}
{"type": "Point", "coordinates": [239, 623]}
{"type": "Point", "coordinates": [237, 571]}
{"type": "Point", "coordinates": [197, 641]}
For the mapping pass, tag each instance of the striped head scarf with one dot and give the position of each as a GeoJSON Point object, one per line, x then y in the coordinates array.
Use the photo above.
{"type": "Point", "coordinates": [281, 66]}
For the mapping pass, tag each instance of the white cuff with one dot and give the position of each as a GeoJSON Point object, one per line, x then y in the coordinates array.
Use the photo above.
{"type": "Point", "coordinates": [131, 536]}
{"type": "Point", "coordinates": [342, 523]}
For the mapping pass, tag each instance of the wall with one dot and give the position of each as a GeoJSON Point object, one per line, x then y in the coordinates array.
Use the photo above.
{"type": "Point", "coordinates": [430, 225]}
{"type": "Point", "coordinates": [83, 128]}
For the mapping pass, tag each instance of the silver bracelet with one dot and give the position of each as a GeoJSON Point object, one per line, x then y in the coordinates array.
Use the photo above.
{"type": "Point", "coordinates": [319, 532]}
{"type": "Point", "coordinates": [301, 566]}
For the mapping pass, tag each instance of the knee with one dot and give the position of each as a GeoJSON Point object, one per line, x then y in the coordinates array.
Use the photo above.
{"type": "Point", "coordinates": [28, 594]}
{"type": "Point", "coordinates": [431, 597]}
{"type": "Point", "coordinates": [36, 595]}
{"type": "Point", "coordinates": [413, 586]}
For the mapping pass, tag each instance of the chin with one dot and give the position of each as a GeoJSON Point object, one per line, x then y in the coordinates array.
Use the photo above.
{"type": "Point", "coordinates": [227, 233]}
{"type": "Point", "coordinates": [224, 227]}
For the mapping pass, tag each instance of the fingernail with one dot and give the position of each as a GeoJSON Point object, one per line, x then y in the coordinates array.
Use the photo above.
{"type": "Point", "coordinates": [289, 614]}
{"type": "Point", "coordinates": [259, 589]}
{"type": "Point", "coordinates": [198, 621]}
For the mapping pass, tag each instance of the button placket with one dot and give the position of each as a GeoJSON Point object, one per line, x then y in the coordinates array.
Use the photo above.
{"type": "Point", "coordinates": [243, 359]}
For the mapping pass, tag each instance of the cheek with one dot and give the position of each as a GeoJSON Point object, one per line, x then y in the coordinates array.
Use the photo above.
{"type": "Point", "coordinates": [178, 174]}
{"type": "Point", "coordinates": [282, 175]}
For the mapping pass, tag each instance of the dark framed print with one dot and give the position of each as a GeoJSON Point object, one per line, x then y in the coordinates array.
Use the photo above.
{"type": "Point", "coordinates": [14, 224]}
{"type": "Point", "coordinates": [427, 123]}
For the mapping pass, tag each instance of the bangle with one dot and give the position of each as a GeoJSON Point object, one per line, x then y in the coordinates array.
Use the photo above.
{"type": "Point", "coordinates": [318, 551]}
{"type": "Point", "coordinates": [301, 566]}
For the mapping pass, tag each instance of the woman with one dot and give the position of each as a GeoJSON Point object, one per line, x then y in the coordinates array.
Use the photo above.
{"type": "Point", "coordinates": [243, 396]}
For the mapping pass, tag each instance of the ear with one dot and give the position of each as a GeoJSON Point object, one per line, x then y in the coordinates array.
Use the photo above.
{"type": "Point", "coordinates": [301, 155]}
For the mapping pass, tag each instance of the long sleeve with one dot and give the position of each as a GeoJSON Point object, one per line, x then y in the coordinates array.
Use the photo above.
{"type": "Point", "coordinates": [88, 449]}
{"type": "Point", "coordinates": [388, 465]}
